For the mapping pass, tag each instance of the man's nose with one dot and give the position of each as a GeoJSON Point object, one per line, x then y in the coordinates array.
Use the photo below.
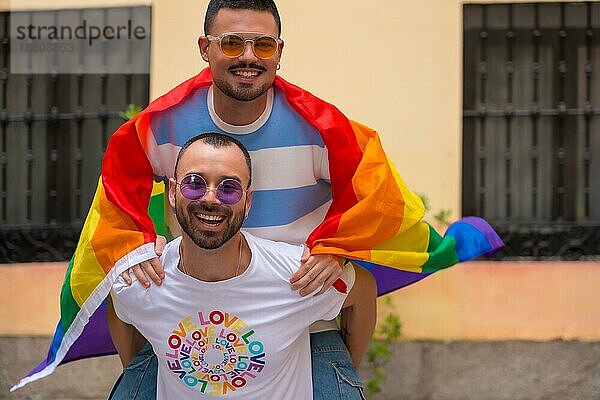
{"type": "Point", "coordinates": [211, 196]}
{"type": "Point", "coordinates": [248, 54]}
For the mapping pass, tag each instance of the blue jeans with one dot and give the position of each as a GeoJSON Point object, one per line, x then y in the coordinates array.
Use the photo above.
{"type": "Point", "coordinates": [138, 379]}
{"type": "Point", "coordinates": [334, 375]}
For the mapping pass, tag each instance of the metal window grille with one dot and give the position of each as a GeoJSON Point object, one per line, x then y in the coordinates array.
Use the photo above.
{"type": "Point", "coordinates": [54, 129]}
{"type": "Point", "coordinates": [531, 126]}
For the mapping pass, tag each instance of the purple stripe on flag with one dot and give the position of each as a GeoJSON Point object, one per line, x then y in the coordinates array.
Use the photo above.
{"type": "Point", "coordinates": [95, 339]}
{"type": "Point", "coordinates": [495, 242]}
{"type": "Point", "coordinates": [390, 279]}
{"type": "Point", "coordinates": [58, 337]}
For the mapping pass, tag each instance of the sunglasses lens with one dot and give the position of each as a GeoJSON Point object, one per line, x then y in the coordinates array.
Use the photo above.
{"type": "Point", "coordinates": [229, 191]}
{"type": "Point", "coordinates": [193, 187]}
{"type": "Point", "coordinates": [232, 45]}
{"type": "Point", "coordinates": [265, 47]}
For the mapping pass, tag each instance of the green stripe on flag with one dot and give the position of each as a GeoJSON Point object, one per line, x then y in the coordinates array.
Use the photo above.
{"type": "Point", "coordinates": [435, 239]}
{"type": "Point", "coordinates": [442, 252]}
{"type": "Point", "coordinates": [68, 306]}
{"type": "Point", "coordinates": [156, 210]}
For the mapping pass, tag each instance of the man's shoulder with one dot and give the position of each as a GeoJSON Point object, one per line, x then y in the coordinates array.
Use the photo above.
{"type": "Point", "coordinates": [272, 245]}
{"type": "Point", "coordinates": [194, 100]}
{"type": "Point", "coordinates": [171, 250]}
{"type": "Point", "coordinates": [169, 254]}
{"type": "Point", "coordinates": [275, 252]}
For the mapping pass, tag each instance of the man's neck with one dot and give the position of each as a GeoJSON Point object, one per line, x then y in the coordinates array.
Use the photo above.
{"type": "Point", "coordinates": [214, 265]}
{"type": "Point", "coordinates": [236, 112]}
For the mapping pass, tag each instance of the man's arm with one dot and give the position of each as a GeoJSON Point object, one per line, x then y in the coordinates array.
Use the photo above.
{"type": "Point", "coordinates": [359, 314]}
{"type": "Point", "coordinates": [127, 340]}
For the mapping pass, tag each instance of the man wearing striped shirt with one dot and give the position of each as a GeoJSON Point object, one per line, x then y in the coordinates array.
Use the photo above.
{"type": "Point", "coordinates": [290, 162]}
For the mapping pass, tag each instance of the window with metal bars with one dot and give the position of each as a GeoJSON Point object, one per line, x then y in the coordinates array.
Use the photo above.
{"type": "Point", "coordinates": [531, 126]}
{"type": "Point", "coordinates": [54, 129]}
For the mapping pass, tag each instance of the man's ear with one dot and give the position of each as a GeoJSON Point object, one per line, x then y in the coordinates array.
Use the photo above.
{"type": "Point", "coordinates": [203, 44]}
{"type": "Point", "coordinates": [172, 191]}
{"type": "Point", "coordinates": [249, 194]}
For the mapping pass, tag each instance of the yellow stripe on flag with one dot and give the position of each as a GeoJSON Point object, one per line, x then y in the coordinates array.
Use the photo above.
{"type": "Point", "coordinates": [87, 272]}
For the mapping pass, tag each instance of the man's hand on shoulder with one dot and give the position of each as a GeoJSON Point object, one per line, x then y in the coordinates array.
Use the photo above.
{"type": "Point", "coordinates": [150, 268]}
{"type": "Point", "coordinates": [316, 271]}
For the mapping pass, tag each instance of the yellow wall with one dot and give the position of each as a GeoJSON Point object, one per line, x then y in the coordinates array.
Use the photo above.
{"type": "Point", "coordinates": [477, 300]}
{"type": "Point", "coordinates": [29, 295]}
{"type": "Point", "coordinates": [502, 301]}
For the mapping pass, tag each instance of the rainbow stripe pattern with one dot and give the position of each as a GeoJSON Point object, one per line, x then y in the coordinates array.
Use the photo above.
{"type": "Point", "coordinates": [374, 219]}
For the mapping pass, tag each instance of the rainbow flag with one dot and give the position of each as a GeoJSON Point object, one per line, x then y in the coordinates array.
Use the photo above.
{"type": "Point", "coordinates": [374, 219]}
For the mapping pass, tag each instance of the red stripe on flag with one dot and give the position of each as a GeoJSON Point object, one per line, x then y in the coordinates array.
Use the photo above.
{"type": "Point", "coordinates": [344, 152]}
{"type": "Point", "coordinates": [341, 286]}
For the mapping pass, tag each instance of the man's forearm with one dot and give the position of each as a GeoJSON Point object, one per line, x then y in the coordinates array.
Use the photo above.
{"type": "Point", "coordinates": [359, 317]}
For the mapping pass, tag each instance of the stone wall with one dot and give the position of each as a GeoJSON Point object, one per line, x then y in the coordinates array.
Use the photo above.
{"type": "Point", "coordinates": [510, 370]}
{"type": "Point", "coordinates": [423, 370]}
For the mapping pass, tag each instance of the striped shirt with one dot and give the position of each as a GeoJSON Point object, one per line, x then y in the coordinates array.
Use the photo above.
{"type": "Point", "coordinates": [289, 161]}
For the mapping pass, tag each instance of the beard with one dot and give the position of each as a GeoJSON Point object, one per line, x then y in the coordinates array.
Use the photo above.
{"type": "Point", "coordinates": [244, 93]}
{"type": "Point", "coordinates": [241, 93]}
{"type": "Point", "coordinates": [209, 240]}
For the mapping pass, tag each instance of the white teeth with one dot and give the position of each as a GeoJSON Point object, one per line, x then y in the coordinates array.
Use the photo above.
{"type": "Point", "coordinates": [246, 74]}
{"type": "Point", "coordinates": [212, 218]}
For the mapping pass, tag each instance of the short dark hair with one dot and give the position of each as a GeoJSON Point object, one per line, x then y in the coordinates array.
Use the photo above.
{"type": "Point", "coordinates": [216, 140]}
{"type": "Point", "coordinates": [258, 5]}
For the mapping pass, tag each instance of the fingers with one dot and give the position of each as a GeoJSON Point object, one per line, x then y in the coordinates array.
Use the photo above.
{"type": "Point", "coordinates": [327, 284]}
{"type": "Point", "coordinates": [126, 277]}
{"type": "Point", "coordinates": [319, 271]}
{"type": "Point", "coordinates": [305, 254]}
{"type": "Point", "coordinates": [139, 274]}
{"type": "Point", "coordinates": [154, 270]}
{"type": "Point", "coordinates": [304, 267]}
{"type": "Point", "coordinates": [159, 246]}
{"type": "Point", "coordinates": [300, 279]}
{"type": "Point", "coordinates": [333, 272]}
{"type": "Point", "coordinates": [314, 284]}
{"type": "Point", "coordinates": [151, 268]}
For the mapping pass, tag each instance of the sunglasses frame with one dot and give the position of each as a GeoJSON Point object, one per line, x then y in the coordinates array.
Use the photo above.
{"type": "Point", "coordinates": [253, 41]}
{"type": "Point", "coordinates": [210, 189]}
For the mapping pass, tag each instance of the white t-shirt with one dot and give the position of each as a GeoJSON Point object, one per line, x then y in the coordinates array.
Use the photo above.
{"type": "Point", "coordinates": [245, 337]}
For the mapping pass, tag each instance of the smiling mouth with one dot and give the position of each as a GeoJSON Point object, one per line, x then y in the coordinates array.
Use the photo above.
{"type": "Point", "coordinates": [210, 219]}
{"type": "Point", "coordinates": [246, 73]}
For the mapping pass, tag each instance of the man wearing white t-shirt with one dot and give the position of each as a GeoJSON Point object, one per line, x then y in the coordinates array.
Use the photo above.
{"type": "Point", "coordinates": [229, 324]}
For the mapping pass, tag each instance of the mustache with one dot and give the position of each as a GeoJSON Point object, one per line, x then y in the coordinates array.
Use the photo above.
{"type": "Point", "coordinates": [209, 208]}
{"type": "Point", "coordinates": [244, 65]}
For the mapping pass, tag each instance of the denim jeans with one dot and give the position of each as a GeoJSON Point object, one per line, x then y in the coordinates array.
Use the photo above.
{"type": "Point", "coordinates": [334, 375]}
{"type": "Point", "coordinates": [138, 379]}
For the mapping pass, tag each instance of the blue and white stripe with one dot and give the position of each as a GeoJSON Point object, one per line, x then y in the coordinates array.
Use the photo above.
{"type": "Point", "coordinates": [290, 164]}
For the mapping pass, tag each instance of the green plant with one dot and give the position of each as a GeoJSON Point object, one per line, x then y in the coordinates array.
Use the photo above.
{"type": "Point", "coordinates": [443, 217]}
{"type": "Point", "coordinates": [425, 200]}
{"type": "Point", "coordinates": [132, 109]}
{"type": "Point", "coordinates": [379, 352]}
